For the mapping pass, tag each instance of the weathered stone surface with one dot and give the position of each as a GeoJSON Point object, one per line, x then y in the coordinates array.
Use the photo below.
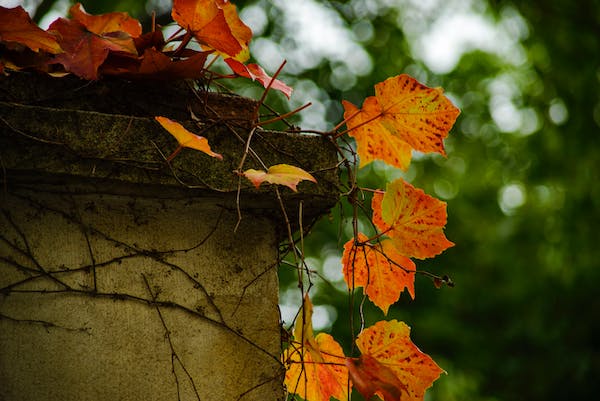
{"type": "Point", "coordinates": [123, 277]}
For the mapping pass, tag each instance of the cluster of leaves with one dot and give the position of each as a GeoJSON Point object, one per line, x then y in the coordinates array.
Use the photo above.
{"type": "Point", "coordinates": [112, 44]}
{"type": "Point", "coordinates": [403, 116]}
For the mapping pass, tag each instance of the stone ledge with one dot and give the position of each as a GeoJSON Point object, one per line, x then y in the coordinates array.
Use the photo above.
{"type": "Point", "coordinates": [58, 131]}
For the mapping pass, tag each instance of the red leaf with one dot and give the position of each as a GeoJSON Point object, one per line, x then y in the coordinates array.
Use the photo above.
{"type": "Point", "coordinates": [256, 73]}
{"type": "Point", "coordinates": [370, 377]}
{"type": "Point", "coordinates": [18, 28]}
{"type": "Point", "coordinates": [158, 66]}
{"type": "Point", "coordinates": [85, 51]}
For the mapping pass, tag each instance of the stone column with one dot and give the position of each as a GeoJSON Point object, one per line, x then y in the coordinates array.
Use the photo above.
{"type": "Point", "coordinates": [123, 277]}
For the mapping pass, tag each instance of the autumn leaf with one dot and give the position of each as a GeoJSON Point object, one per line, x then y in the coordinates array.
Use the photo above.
{"type": "Point", "coordinates": [413, 220]}
{"type": "Point", "coordinates": [158, 66]}
{"type": "Point", "coordinates": [186, 138]}
{"type": "Point", "coordinates": [370, 377]}
{"type": "Point", "coordinates": [256, 73]}
{"type": "Point", "coordinates": [373, 140]}
{"type": "Point", "coordinates": [315, 365]}
{"type": "Point", "coordinates": [106, 23]}
{"type": "Point", "coordinates": [391, 365]}
{"type": "Point", "coordinates": [215, 24]}
{"type": "Point", "coordinates": [419, 115]}
{"type": "Point", "coordinates": [380, 269]}
{"type": "Point", "coordinates": [88, 39]}
{"type": "Point", "coordinates": [18, 28]}
{"type": "Point", "coordinates": [403, 115]}
{"type": "Point", "coordinates": [282, 174]}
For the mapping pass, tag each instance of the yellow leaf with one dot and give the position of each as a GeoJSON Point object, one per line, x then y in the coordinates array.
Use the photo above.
{"type": "Point", "coordinates": [186, 138]}
{"type": "Point", "coordinates": [282, 174]}
{"type": "Point", "coordinates": [316, 365]}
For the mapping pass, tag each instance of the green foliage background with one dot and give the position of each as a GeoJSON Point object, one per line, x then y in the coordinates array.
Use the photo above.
{"type": "Point", "coordinates": [523, 321]}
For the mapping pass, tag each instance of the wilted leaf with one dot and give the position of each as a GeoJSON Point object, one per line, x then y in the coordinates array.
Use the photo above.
{"type": "Point", "coordinates": [373, 140]}
{"type": "Point", "coordinates": [215, 24]}
{"type": "Point", "coordinates": [186, 138]}
{"type": "Point", "coordinates": [380, 269]}
{"type": "Point", "coordinates": [370, 377]}
{"type": "Point", "coordinates": [420, 116]}
{"type": "Point", "coordinates": [256, 73]}
{"type": "Point", "coordinates": [315, 365]}
{"type": "Point", "coordinates": [157, 65]}
{"type": "Point", "coordinates": [413, 220]}
{"type": "Point", "coordinates": [282, 174]}
{"type": "Point", "coordinates": [18, 28]}
{"type": "Point", "coordinates": [391, 365]}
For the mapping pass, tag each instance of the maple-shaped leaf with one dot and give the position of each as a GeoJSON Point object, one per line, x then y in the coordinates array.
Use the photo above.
{"type": "Point", "coordinates": [106, 23]}
{"type": "Point", "coordinates": [419, 115]}
{"type": "Point", "coordinates": [88, 39]}
{"type": "Point", "coordinates": [380, 269]}
{"type": "Point", "coordinates": [403, 115]}
{"type": "Point", "coordinates": [413, 220]}
{"type": "Point", "coordinates": [315, 364]}
{"type": "Point", "coordinates": [256, 73]}
{"type": "Point", "coordinates": [185, 138]}
{"type": "Point", "coordinates": [282, 174]}
{"type": "Point", "coordinates": [18, 28]}
{"type": "Point", "coordinates": [391, 365]}
{"type": "Point", "coordinates": [373, 140]}
{"type": "Point", "coordinates": [215, 24]}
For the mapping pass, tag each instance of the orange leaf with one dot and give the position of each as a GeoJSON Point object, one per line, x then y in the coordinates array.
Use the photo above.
{"type": "Point", "coordinates": [413, 220]}
{"type": "Point", "coordinates": [380, 269]}
{"type": "Point", "coordinates": [315, 365]}
{"type": "Point", "coordinates": [420, 116]}
{"type": "Point", "coordinates": [215, 24]}
{"type": "Point", "coordinates": [86, 50]}
{"type": "Point", "coordinates": [106, 23]}
{"type": "Point", "coordinates": [186, 138]}
{"type": "Point", "coordinates": [391, 364]}
{"type": "Point", "coordinates": [256, 73]}
{"type": "Point", "coordinates": [370, 377]}
{"type": "Point", "coordinates": [373, 140]}
{"type": "Point", "coordinates": [17, 27]}
{"type": "Point", "coordinates": [282, 174]}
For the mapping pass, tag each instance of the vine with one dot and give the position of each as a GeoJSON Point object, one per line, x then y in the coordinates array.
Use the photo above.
{"type": "Point", "coordinates": [403, 116]}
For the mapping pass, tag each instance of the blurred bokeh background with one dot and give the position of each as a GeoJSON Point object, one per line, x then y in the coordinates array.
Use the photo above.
{"type": "Point", "coordinates": [521, 178]}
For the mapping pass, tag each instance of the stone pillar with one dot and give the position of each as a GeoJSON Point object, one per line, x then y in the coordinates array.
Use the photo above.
{"type": "Point", "coordinates": [123, 277]}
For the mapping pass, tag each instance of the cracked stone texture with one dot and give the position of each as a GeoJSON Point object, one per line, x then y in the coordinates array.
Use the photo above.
{"type": "Point", "coordinates": [121, 277]}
